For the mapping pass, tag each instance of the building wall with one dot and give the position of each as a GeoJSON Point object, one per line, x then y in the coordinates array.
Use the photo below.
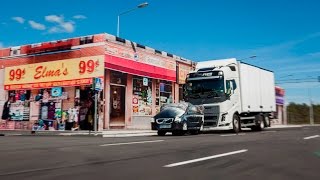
{"type": "Point", "coordinates": [107, 99]}
{"type": "Point", "coordinates": [3, 94]}
{"type": "Point", "coordinates": [140, 122]}
{"type": "Point", "coordinates": [129, 95]}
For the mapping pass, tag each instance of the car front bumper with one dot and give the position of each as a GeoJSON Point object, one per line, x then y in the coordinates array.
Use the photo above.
{"type": "Point", "coordinates": [175, 126]}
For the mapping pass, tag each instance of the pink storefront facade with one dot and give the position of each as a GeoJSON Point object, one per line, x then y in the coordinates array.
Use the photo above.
{"type": "Point", "coordinates": [137, 80]}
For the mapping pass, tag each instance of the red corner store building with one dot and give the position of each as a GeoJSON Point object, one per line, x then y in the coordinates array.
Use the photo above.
{"type": "Point", "coordinates": [51, 82]}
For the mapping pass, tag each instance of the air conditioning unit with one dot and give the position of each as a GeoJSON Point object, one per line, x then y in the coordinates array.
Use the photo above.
{"type": "Point", "coordinates": [15, 51]}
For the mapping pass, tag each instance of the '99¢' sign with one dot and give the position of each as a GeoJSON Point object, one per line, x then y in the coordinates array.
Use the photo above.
{"type": "Point", "coordinates": [16, 74]}
{"type": "Point", "coordinates": [87, 66]}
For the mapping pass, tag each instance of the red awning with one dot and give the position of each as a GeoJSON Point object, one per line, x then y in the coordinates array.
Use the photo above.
{"type": "Point", "coordinates": [138, 68]}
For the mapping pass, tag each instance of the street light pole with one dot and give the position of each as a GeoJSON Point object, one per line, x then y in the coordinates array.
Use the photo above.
{"type": "Point", "coordinates": [118, 26]}
{"type": "Point", "coordinates": [142, 5]}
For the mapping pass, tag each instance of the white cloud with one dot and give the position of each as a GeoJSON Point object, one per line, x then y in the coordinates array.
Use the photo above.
{"type": "Point", "coordinates": [54, 30]}
{"type": "Point", "coordinates": [67, 26]}
{"type": "Point", "coordinates": [37, 26]}
{"type": "Point", "coordinates": [20, 20]}
{"type": "Point", "coordinates": [79, 17]}
{"type": "Point", "coordinates": [54, 18]}
{"type": "Point", "coordinates": [61, 25]}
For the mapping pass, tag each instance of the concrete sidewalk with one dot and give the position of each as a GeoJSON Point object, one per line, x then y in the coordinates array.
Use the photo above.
{"type": "Point", "coordinates": [282, 126]}
{"type": "Point", "coordinates": [106, 133]}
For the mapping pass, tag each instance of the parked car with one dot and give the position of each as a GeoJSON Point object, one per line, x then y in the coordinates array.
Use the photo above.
{"type": "Point", "coordinates": [178, 118]}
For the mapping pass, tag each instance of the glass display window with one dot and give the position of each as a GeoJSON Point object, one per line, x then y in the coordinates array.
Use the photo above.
{"type": "Point", "coordinates": [163, 94]}
{"type": "Point", "coordinates": [142, 96]}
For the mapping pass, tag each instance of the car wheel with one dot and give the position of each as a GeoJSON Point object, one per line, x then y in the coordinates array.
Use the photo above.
{"type": "Point", "coordinates": [162, 133]}
{"type": "Point", "coordinates": [236, 123]}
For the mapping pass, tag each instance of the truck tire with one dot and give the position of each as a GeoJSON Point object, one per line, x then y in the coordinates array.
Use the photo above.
{"type": "Point", "coordinates": [267, 120]}
{"type": "Point", "coordinates": [261, 125]}
{"type": "Point", "coordinates": [162, 133]}
{"type": "Point", "coordinates": [236, 123]}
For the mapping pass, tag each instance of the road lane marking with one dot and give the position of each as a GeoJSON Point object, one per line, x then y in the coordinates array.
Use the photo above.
{"type": "Point", "coordinates": [127, 143]}
{"type": "Point", "coordinates": [206, 158]}
{"type": "Point", "coordinates": [226, 135]}
{"type": "Point", "coordinates": [311, 137]}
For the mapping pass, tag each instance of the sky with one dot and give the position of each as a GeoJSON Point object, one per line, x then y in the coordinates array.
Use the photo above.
{"type": "Point", "coordinates": [284, 35]}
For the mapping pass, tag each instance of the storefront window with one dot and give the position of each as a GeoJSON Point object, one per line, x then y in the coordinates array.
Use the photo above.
{"type": "Point", "coordinates": [142, 96]}
{"type": "Point", "coordinates": [118, 78]}
{"type": "Point", "coordinates": [19, 105]}
{"type": "Point", "coordinates": [163, 94]}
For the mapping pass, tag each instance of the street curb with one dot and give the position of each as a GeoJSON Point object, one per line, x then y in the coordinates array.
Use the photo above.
{"type": "Point", "coordinates": [286, 127]}
{"type": "Point", "coordinates": [128, 135]}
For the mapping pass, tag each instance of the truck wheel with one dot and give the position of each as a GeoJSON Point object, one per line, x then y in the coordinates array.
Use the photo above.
{"type": "Point", "coordinates": [261, 124]}
{"type": "Point", "coordinates": [162, 133]}
{"type": "Point", "coordinates": [236, 123]}
{"type": "Point", "coordinates": [267, 120]}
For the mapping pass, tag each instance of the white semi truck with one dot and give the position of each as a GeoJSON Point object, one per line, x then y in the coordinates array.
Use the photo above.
{"type": "Point", "coordinates": [234, 94]}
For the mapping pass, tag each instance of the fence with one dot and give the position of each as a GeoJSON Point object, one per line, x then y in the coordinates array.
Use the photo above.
{"type": "Point", "coordinates": [300, 113]}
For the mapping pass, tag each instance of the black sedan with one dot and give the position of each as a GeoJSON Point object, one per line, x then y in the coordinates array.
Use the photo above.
{"type": "Point", "coordinates": [178, 118]}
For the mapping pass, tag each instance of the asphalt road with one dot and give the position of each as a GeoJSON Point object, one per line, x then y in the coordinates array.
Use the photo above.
{"type": "Point", "coordinates": [275, 154]}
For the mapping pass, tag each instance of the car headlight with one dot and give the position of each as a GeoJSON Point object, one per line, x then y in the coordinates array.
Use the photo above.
{"type": "Point", "coordinates": [152, 120]}
{"type": "Point", "coordinates": [177, 119]}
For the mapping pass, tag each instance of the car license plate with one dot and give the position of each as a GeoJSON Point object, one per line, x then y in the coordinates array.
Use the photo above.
{"type": "Point", "coordinates": [165, 126]}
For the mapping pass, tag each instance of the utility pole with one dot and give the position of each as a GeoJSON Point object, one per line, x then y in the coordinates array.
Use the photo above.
{"type": "Point", "coordinates": [311, 108]}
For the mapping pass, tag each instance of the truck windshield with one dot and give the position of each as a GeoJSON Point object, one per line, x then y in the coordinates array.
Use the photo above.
{"type": "Point", "coordinates": [205, 91]}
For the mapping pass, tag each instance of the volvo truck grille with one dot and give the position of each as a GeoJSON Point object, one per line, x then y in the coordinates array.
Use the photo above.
{"type": "Point", "coordinates": [211, 116]}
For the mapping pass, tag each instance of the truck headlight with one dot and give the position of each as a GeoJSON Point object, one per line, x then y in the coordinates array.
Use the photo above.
{"type": "Point", "coordinates": [152, 120]}
{"type": "Point", "coordinates": [177, 120]}
{"type": "Point", "coordinates": [223, 117]}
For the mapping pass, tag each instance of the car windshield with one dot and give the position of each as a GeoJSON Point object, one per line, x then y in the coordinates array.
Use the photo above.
{"type": "Point", "coordinates": [182, 106]}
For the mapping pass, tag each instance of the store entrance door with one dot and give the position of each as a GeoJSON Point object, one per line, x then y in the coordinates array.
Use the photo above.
{"type": "Point", "coordinates": [117, 106]}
